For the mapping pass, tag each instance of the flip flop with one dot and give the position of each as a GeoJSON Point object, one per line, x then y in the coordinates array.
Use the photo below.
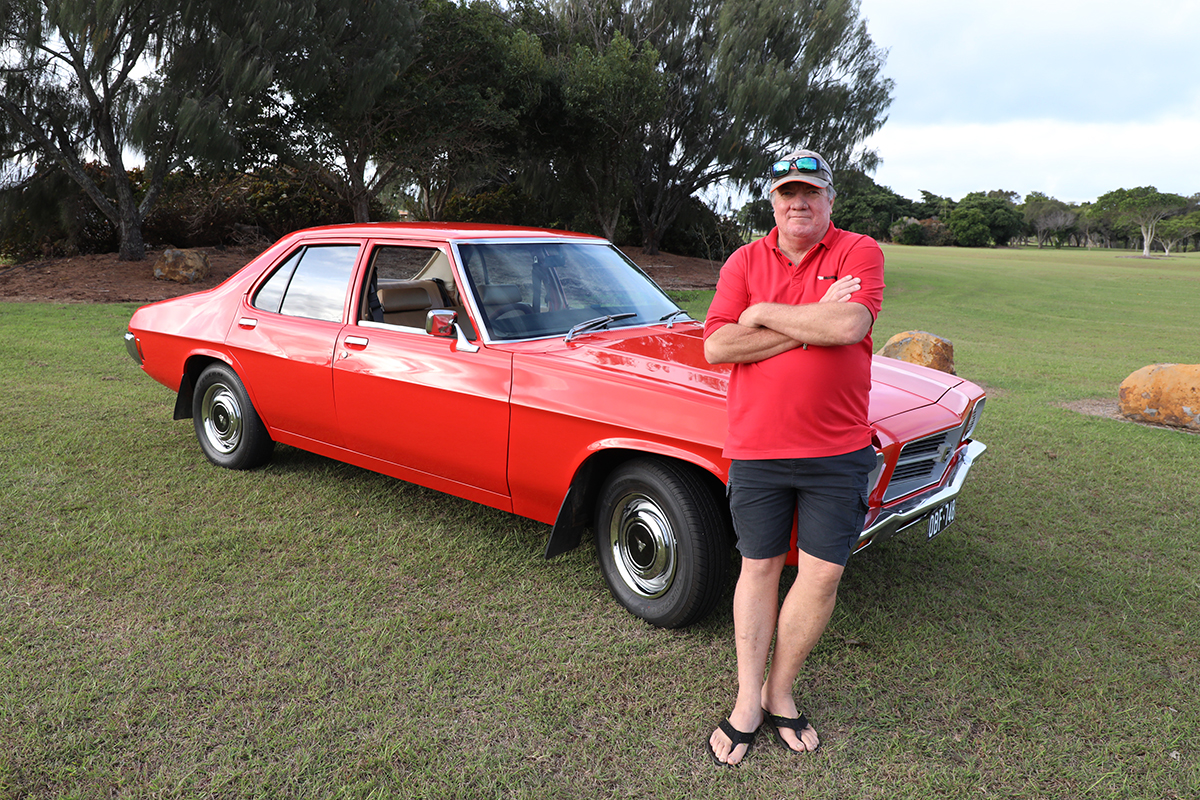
{"type": "Point", "coordinates": [735, 736]}
{"type": "Point", "coordinates": [797, 724]}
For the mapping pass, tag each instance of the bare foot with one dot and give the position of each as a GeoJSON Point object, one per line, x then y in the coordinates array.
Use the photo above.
{"type": "Point", "coordinates": [723, 749]}
{"type": "Point", "coordinates": [792, 729]}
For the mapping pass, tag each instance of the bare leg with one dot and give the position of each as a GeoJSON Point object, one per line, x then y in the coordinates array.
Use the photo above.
{"type": "Point", "coordinates": [755, 613]}
{"type": "Point", "coordinates": [802, 619]}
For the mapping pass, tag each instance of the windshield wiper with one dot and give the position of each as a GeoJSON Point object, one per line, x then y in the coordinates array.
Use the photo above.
{"type": "Point", "coordinates": [672, 316]}
{"type": "Point", "coordinates": [596, 324]}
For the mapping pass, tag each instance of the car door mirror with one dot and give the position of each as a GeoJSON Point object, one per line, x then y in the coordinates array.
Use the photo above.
{"type": "Point", "coordinates": [443, 323]}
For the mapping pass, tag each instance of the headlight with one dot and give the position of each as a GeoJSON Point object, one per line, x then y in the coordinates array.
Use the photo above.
{"type": "Point", "coordinates": [973, 419]}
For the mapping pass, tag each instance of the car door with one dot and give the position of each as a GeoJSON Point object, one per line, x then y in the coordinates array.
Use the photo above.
{"type": "Point", "coordinates": [436, 415]}
{"type": "Point", "coordinates": [285, 337]}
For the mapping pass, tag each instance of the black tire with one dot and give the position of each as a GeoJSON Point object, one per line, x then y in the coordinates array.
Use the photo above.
{"type": "Point", "coordinates": [663, 542]}
{"type": "Point", "coordinates": [227, 426]}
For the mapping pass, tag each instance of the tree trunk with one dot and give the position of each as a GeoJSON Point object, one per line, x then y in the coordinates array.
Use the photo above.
{"type": "Point", "coordinates": [362, 208]}
{"type": "Point", "coordinates": [133, 246]}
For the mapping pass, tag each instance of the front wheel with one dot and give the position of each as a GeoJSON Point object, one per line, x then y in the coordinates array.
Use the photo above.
{"type": "Point", "coordinates": [227, 426]}
{"type": "Point", "coordinates": [663, 542]}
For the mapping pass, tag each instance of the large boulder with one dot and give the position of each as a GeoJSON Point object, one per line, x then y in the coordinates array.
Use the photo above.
{"type": "Point", "coordinates": [181, 266]}
{"type": "Point", "coordinates": [1165, 394]}
{"type": "Point", "coordinates": [921, 347]}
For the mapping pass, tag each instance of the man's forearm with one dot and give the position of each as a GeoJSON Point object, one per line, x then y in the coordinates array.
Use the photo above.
{"type": "Point", "coordinates": [824, 324]}
{"type": "Point", "coordinates": [739, 344]}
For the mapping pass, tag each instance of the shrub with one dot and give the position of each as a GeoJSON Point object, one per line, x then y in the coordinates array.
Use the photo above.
{"type": "Point", "coordinates": [49, 215]}
{"type": "Point", "coordinates": [970, 228]}
{"type": "Point", "coordinates": [911, 233]}
{"type": "Point", "coordinates": [504, 205]}
{"type": "Point", "coordinates": [700, 232]}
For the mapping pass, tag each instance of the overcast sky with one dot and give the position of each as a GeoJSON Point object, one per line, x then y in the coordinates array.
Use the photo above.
{"type": "Point", "coordinates": [1073, 98]}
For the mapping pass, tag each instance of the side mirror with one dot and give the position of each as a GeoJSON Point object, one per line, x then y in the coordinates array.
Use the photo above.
{"type": "Point", "coordinates": [443, 323]}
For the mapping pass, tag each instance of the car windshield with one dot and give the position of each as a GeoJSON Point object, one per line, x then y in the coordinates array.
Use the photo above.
{"type": "Point", "coordinates": [528, 290]}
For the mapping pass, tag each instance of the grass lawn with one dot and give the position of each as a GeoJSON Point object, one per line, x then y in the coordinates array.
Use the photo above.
{"type": "Point", "coordinates": [311, 630]}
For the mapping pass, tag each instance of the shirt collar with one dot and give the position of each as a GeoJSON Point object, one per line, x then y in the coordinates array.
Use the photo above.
{"type": "Point", "coordinates": [772, 240]}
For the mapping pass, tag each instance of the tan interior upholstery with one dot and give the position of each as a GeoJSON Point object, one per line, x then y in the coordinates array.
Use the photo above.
{"type": "Point", "coordinates": [406, 302]}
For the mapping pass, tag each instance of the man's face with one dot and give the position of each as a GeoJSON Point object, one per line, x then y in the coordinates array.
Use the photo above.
{"type": "Point", "coordinates": [802, 212]}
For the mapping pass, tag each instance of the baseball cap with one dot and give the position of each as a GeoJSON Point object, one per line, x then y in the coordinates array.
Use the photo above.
{"type": "Point", "coordinates": [800, 165]}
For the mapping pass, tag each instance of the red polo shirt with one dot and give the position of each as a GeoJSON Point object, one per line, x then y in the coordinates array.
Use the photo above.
{"type": "Point", "coordinates": [805, 403]}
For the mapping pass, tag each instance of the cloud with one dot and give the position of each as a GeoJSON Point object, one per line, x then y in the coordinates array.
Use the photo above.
{"type": "Point", "coordinates": [1073, 98]}
{"type": "Point", "coordinates": [1075, 162]}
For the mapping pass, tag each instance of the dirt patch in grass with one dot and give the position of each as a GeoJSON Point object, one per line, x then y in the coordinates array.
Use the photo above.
{"type": "Point", "coordinates": [1110, 409]}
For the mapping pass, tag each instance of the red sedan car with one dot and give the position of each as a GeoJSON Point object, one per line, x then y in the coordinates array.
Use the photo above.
{"type": "Point", "coordinates": [536, 371]}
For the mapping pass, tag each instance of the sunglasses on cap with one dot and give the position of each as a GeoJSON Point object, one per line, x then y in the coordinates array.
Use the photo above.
{"type": "Point", "coordinates": [803, 164]}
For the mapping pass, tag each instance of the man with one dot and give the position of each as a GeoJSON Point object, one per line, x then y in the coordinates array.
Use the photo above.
{"type": "Point", "coordinates": [793, 313]}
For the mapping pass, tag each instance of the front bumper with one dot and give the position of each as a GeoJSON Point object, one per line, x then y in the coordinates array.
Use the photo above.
{"type": "Point", "coordinates": [884, 523]}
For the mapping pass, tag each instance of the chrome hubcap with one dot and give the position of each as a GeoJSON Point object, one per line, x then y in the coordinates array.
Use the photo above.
{"type": "Point", "coordinates": [221, 416]}
{"type": "Point", "coordinates": [643, 545]}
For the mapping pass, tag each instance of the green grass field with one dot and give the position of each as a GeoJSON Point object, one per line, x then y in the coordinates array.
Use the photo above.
{"type": "Point", "coordinates": [311, 630]}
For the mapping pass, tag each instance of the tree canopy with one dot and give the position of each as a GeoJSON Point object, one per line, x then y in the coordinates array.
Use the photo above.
{"type": "Point", "coordinates": [746, 80]}
{"type": "Point", "coordinates": [338, 80]}
{"type": "Point", "coordinates": [995, 211]}
{"type": "Point", "coordinates": [71, 89]}
{"type": "Point", "coordinates": [612, 116]}
{"type": "Point", "coordinates": [1144, 207]}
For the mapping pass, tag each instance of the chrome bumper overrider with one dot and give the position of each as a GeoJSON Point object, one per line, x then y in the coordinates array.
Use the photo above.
{"type": "Point", "coordinates": [132, 348]}
{"type": "Point", "coordinates": [890, 520]}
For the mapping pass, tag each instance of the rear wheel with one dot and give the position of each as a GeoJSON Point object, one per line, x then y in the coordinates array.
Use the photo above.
{"type": "Point", "coordinates": [227, 426]}
{"type": "Point", "coordinates": [662, 541]}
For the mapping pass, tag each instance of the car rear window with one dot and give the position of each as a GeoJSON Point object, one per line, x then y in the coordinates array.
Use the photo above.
{"type": "Point", "coordinates": [311, 283]}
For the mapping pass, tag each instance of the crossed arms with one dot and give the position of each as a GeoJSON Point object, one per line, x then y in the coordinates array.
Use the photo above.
{"type": "Point", "coordinates": [767, 329]}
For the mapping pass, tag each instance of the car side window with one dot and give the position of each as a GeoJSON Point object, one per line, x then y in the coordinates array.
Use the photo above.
{"type": "Point", "coordinates": [393, 263]}
{"type": "Point", "coordinates": [404, 283]}
{"type": "Point", "coordinates": [270, 294]}
{"type": "Point", "coordinates": [311, 283]}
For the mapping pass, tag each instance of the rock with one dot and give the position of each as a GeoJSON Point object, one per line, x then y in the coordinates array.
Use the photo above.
{"type": "Point", "coordinates": [181, 266]}
{"type": "Point", "coordinates": [920, 347]}
{"type": "Point", "coordinates": [1164, 394]}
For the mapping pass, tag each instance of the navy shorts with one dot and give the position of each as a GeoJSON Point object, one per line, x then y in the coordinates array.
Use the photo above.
{"type": "Point", "coordinates": [826, 496]}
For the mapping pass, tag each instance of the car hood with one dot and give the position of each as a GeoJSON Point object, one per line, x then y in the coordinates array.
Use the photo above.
{"type": "Point", "coordinates": [675, 357]}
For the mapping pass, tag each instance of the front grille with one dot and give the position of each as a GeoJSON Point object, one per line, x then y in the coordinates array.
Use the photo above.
{"type": "Point", "coordinates": [922, 463]}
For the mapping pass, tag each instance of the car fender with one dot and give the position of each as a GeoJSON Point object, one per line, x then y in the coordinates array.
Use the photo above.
{"type": "Point", "coordinates": [575, 513]}
{"type": "Point", "coordinates": [195, 364]}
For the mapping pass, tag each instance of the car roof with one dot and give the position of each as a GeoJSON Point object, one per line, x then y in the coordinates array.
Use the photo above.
{"type": "Point", "coordinates": [447, 230]}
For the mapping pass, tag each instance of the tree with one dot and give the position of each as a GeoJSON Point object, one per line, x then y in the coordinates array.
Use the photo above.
{"type": "Point", "coordinates": [338, 77]}
{"type": "Point", "coordinates": [970, 227]}
{"type": "Point", "coordinates": [863, 206]}
{"type": "Point", "coordinates": [610, 94]}
{"type": "Point", "coordinates": [463, 108]}
{"type": "Point", "coordinates": [756, 217]}
{"type": "Point", "coordinates": [931, 205]}
{"type": "Point", "coordinates": [71, 93]}
{"type": "Point", "coordinates": [1049, 219]}
{"type": "Point", "coordinates": [999, 216]}
{"type": "Point", "coordinates": [745, 80]}
{"type": "Point", "coordinates": [1144, 207]}
{"type": "Point", "coordinates": [1171, 232]}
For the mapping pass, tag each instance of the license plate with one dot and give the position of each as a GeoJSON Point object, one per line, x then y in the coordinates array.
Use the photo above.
{"type": "Point", "coordinates": [940, 518]}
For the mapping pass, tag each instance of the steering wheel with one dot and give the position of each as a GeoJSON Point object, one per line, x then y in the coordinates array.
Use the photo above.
{"type": "Point", "coordinates": [508, 308]}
